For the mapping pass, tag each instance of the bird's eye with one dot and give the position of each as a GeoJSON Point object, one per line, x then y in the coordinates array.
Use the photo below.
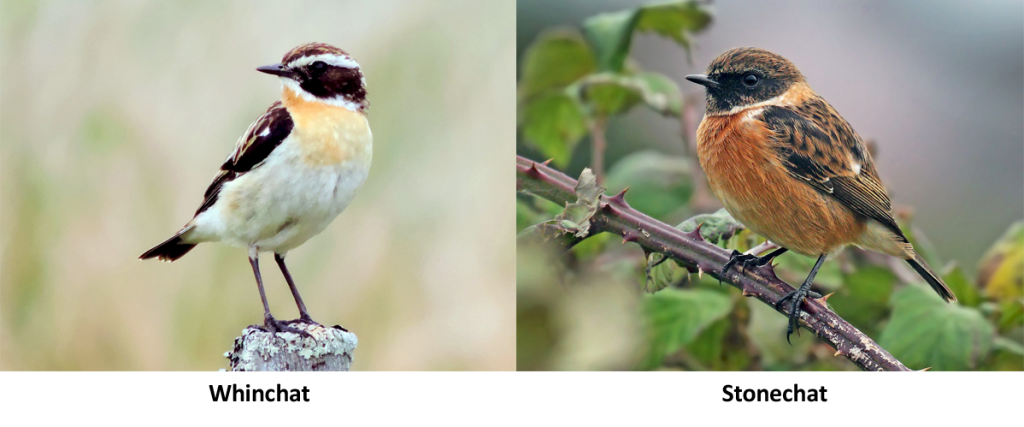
{"type": "Point", "coordinates": [750, 80]}
{"type": "Point", "coordinates": [318, 67]}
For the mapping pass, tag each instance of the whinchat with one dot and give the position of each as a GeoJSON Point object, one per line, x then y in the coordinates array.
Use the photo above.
{"type": "Point", "coordinates": [292, 172]}
{"type": "Point", "coordinates": [785, 164]}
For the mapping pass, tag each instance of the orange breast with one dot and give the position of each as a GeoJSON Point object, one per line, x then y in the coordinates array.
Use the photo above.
{"type": "Point", "coordinates": [327, 134]}
{"type": "Point", "coordinates": [756, 189]}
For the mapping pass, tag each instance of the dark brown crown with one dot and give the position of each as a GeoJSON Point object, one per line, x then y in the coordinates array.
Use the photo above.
{"type": "Point", "coordinates": [311, 49]}
{"type": "Point", "coordinates": [745, 59]}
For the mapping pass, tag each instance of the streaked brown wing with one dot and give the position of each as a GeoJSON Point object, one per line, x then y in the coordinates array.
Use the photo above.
{"type": "Point", "coordinates": [255, 145]}
{"type": "Point", "coordinates": [822, 151]}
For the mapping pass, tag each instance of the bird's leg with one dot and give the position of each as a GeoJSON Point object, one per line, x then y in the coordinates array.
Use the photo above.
{"type": "Point", "coordinates": [749, 260]}
{"type": "Point", "coordinates": [798, 296]}
{"type": "Point", "coordinates": [255, 262]}
{"type": "Point", "coordinates": [303, 314]}
{"type": "Point", "coordinates": [272, 325]}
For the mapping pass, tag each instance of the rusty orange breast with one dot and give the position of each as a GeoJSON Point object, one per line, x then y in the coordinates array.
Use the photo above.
{"type": "Point", "coordinates": [754, 187]}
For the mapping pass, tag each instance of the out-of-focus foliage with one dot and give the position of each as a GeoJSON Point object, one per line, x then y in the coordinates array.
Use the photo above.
{"type": "Point", "coordinates": [567, 81]}
{"type": "Point", "coordinates": [677, 317]}
{"type": "Point", "coordinates": [688, 321]}
{"type": "Point", "coordinates": [115, 116]}
{"type": "Point", "coordinates": [611, 34]}
{"type": "Point", "coordinates": [924, 331]}
{"type": "Point", "coordinates": [659, 185]}
{"type": "Point", "coordinates": [554, 122]}
{"type": "Point", "coordinates": [1001, 269]}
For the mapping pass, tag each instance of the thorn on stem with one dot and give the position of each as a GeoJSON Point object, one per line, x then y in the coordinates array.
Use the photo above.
{"type": "Point", "coordinates": [695, 234]}
{"type": "Point", "coordinates": [533, 171]}
{"type": "Point", "coordinates": [545, 163]}
{"type": "Point", "coordinates": [620, 199]}
{"type": "Point", "coordinates": [629, 236]}
{"type": "Point", "coordinates": [824, 299]}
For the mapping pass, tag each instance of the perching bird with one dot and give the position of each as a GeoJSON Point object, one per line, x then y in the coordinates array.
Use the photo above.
{"type": "Point", "coordinates": [784, 163]}
{"type": "Point", "coordinates": [292, 172]}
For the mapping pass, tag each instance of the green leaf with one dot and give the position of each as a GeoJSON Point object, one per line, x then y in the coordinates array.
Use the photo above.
{"type": "Point", "coordinates": [926, 332]}
{"type": "Point", "coordinates": [863, 299]}
{"type": "Point", "coordinates": [556, 59]}
{"type": "Point", "coordinates": [966, 293]}
{"type": "Point", "coordinates": [554, 124]}
{"type": "Point", "coordinates": [676, 318]}
{"type": "Point", "coordinates": [610, 34]}
{"type": "Point", "coordinates": [676, 20]}
{"type": "Point", "coordinates": [661, 272]}
{"type": "Point", "coordinates": [658, 184]}
{"type": "Point", "coordinates": [718, 226]}
{"type": "Point", "coordinates": [660, 93]}
{"type": "Point", "coordinates": [611, 94]}
{"type": "Point", "coordinates": [576, 217]}
{"type": "Point", "coordinates": [1001, 269]}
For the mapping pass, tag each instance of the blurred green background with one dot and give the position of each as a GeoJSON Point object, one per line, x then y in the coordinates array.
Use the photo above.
{"type": "Point", "coordinates": [115, 115]}
{"type": "Point", "coordinates": [936, 89]}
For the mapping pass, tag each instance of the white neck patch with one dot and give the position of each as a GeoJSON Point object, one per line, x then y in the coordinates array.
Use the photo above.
{"type": "Point", "coordinates": [780, 100]}
{"type": "Point", "coordinates": [337, 101]}
{"type": "Point", "coordinates": [330, 59]}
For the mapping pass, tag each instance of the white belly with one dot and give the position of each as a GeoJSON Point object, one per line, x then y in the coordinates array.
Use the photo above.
{"type": "Point", "coordinates": [281, 204]}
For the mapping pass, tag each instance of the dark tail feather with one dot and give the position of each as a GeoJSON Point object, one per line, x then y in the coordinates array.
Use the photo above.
{"type": "Point", "coordinates": [170, 250]}
{"type": "Point", "coordinates": [933, 279]}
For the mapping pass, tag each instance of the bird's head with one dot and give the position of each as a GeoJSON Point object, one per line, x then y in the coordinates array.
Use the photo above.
{"type": "Point", "coordinates": [322, 73]}
{"type": "Point", "coordinates": [745, 77]}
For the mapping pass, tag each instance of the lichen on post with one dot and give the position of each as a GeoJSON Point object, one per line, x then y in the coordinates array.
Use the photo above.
{"type": "Point", "coordinates": [326, 349]}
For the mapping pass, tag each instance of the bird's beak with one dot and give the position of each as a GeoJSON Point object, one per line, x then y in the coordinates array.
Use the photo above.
{"type": "Point", "coordinates": [703, 80]}
{"type": "Point", "coordinates": [276, 70]}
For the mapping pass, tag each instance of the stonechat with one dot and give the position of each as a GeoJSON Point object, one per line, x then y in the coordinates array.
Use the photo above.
{"type": "Point", "coordinates": [292, 172]}
{"type": "Point", "coordinates": [784, 163]}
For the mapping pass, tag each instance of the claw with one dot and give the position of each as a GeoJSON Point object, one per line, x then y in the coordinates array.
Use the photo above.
{"type": "Point", "coordinates": [275, 326]}
{"type": "Point", "coordinates": [797, 296]}
{"type": "Point", "coordinates": [745, 261]}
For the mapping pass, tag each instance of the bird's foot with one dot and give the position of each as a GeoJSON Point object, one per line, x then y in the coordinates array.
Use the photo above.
{"type": "Point", "coordinates": [745, 261]}
{"type": "Point", "coordinates": [305, 318]}
{"type": "Point", "coordinates": [797, 296]}
{"type": "Point", "coordinates": [274, 326]}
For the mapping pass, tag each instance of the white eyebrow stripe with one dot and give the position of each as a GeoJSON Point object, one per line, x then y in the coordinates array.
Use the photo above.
{"type": "Point", "coordinates": [332, 59]}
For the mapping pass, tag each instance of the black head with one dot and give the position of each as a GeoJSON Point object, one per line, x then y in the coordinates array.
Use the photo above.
{"type": "Point", "coordinates": [744, 76]}
{"type": "Point", "coordinates": [322, 72]}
